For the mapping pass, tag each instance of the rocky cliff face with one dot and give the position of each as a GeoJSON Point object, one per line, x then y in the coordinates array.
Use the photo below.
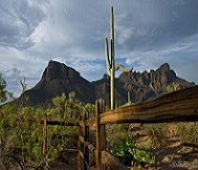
{"type": "Point", "coordinates": [145, 85]}
{"type": "Point", "coordinates": [59, 78]}
{"type": "Point", "coordinates": [162, 76]}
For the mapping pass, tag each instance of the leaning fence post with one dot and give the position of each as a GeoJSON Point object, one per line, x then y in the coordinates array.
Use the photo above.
{"type": "Point", "coordinates": [100, 135]}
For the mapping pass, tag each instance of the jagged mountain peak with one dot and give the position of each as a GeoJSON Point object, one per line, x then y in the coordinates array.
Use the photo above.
{"type": "Point", "coordinates": [162, 76]}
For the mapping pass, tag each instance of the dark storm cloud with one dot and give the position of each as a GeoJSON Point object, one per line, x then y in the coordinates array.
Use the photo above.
{"type": "Point", "coordinates": [158, 24]}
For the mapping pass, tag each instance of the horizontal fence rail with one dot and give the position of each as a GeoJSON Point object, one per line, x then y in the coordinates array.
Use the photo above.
{"type": "Point", "coordinates": [179, 106]}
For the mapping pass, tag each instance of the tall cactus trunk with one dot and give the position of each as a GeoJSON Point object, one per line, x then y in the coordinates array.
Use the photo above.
{"type": "Point", "coordinates": [112, 77]}
{"type": "Point", "coordinates": [112, 90]}
{"type": "Point", "coordinates": [111, 64]}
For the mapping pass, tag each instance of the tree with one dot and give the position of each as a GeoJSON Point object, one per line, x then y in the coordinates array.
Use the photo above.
{"type": "Point", "coordinates": [4, 95]}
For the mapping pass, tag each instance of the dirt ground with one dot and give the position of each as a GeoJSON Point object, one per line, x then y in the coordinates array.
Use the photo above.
{"type": "Point", "coordinates": [171, 153]}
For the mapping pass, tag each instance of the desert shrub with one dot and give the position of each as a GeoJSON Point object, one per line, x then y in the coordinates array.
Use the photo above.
{"type": "Point", "coordinates": [142, 156]}
{"type": "Point", "coordinates": [188, 132]}
{"type": "Point", "coordinates": [131, 154]}
{"type": "Point", "coordinates": [183, 132]}
{"type": "Point", "coordinates": [157, 133]}
{"type": "Point", "coordinates": [120, 149]}
{"type": "Point", "coordinates": [195, 133]}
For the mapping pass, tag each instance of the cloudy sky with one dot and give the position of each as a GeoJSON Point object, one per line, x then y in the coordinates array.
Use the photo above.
{"type": "Point", "coordinates": [148, 33]}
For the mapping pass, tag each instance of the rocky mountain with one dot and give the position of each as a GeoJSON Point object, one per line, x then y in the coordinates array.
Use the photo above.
{"type": "Point", "coordinates": [59, 78]}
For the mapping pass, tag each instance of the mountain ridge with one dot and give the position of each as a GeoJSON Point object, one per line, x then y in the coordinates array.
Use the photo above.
{"type": "Point", "coordinates": [58, 78]}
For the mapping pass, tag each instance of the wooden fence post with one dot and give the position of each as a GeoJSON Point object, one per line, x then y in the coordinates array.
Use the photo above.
{"type": "Point", "coordinates": [80, 159]}
{"type": "Point", "coordinates": [86, 138]}
{"type": "Point", "coordinates": [100, 134]}
{"type": "Point", "coordinates": [44, 134]}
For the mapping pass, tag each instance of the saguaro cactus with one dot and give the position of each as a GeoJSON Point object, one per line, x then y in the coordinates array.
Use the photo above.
{"type": "Point", "coordinates": [111, 65]}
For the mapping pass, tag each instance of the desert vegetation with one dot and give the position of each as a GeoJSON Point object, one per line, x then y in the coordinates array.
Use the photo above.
{"type": "Point", "coordinates": [135, 145]}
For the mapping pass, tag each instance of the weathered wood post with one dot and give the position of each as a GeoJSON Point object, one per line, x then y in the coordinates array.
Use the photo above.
{"type": "Point", "coordinates": [80, 158]}
{"type": "Point", "coordinates": [44, 134]}
{"type": "Point", "coordinates": [100, 135]}
{"type": "Point", "coordinates": [86, 138]}
{"type": "Point", "coordinates": [44, 147]}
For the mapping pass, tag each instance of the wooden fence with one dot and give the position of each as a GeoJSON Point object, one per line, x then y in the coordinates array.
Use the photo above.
{"type": "Point", "coordinates": [179, 106]}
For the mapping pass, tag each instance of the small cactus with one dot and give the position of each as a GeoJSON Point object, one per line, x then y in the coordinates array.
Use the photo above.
{"type": "Point", "coordinates": [111, 65]}
{"type": "Point", "coordinates": [129, 98]}
{"type": "Point", "coordinates": [176, 86]}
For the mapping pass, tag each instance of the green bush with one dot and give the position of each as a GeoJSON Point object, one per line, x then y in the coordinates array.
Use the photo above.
{"type": "Point", "coordinates": [120, 149]}
{"type": "Point", "coordinates": [131, 154]}
{"type": "Point", "coordinates": [142, 156]}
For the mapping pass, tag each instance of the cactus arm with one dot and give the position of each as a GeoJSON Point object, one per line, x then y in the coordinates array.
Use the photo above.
{"type": "Point", "coordinates": [107, 57]}
{"type": "Point", "coordinates": [121, 67]}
